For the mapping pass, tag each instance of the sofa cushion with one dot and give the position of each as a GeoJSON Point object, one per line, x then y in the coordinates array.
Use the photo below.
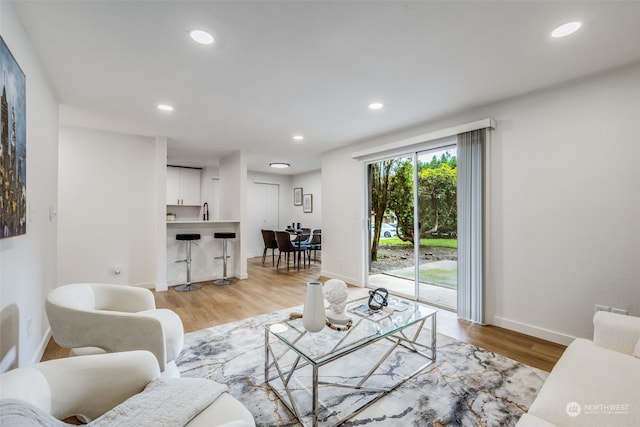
{"type": "Point", "coordinates": [225, 411]}
{"type": "Point", "coordinates": [636, 351]}
{"type": "Point", "coordinates": [616, 331]}
{"type": "Point", "coordinates": [591, 386]}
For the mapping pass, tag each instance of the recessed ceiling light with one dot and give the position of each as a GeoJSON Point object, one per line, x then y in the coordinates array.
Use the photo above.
{"type": "Point", "coordinates": [279, 165]}
{"type": "Point", "coordinates": [298, 137]}
{"type": "Point", "coordinates": [201, 37]}
{"type": "Point", "coordinates": [375, 105]}
{"type": "Point", "coordinates": [566, 29]}
{"type": "Point", "coordinates": [165, 107]}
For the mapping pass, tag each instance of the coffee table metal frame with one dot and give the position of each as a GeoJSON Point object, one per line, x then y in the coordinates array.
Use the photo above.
{"type": "Point", "coordinates": [392, 329]}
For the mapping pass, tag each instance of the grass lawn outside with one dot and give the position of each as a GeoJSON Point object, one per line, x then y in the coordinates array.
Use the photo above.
{"type": "Point", "coordinates": [446, 278]}
{"type": "Point", "coordinates": [444, 243]}
{"type": "Point", "coordinates": [439, 273]}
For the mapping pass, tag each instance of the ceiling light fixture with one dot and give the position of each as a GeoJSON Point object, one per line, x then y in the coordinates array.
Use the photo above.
{"type": "Point", "coordinates": [165, 107]}
{"type": "Point", "coordinates": [298, 137]}
{"type": "Point", "coordinates": [279, 165]}
{"type": "Point", "coordinates": [375, 105]}
{"type": "Point", "coordinates": [566, 29]}
{"type": "Point", "coordinates": [201, 37]}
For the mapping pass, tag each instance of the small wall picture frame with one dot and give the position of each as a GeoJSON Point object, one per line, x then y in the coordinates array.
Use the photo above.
{"type": "Point", "coordinates": [307, 203]}
{"type": "Point", "coordinates": [297, 196]}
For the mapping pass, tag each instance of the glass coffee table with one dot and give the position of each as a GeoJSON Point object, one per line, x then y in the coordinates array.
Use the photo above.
{"type": "Point", "coordinates": [359, 365]}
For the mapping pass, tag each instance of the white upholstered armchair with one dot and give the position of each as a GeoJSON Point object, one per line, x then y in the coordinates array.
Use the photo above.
{"type": "Point", "coordinates": [122, 389]}
{"type": "Point", "coordinates": [95, 318]}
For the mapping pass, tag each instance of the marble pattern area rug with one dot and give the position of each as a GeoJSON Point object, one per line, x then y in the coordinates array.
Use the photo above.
{"type": "Point", "coordinates": [466, 386]}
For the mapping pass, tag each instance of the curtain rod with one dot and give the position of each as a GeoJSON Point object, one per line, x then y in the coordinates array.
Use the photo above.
{"type": "Point", "coordinates": [426, 137]}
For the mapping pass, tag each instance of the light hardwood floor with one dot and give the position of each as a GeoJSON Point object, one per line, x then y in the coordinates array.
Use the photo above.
{"type": "Point", "coordinates": [268, 289]}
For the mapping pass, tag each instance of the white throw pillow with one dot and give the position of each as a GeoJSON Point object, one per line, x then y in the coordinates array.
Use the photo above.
{"type": "Point", "coordinates": [636, 352]}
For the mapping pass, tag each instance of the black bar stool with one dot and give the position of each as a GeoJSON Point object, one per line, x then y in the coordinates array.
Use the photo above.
{"type": "Point", "coordinates": [188, 238]}
{"type": "Point", "coordinates": [224, 237]}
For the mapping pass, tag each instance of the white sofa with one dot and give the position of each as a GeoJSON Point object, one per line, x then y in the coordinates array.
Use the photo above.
{"type": "Point", "coordinates": [595, 383]}
{"type": "Point", "coordinates": [90, 386]}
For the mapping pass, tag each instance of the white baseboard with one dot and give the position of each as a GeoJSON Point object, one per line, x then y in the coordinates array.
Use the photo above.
{"type": "Point", "coordinates": [349, 280]}
{"type": "Point", "coordinates": [37, 357]}
{"type": "Point", "coordinates": [146, 285]}
{"type": "Point", "coordinates": [534, 331]}
{"type": "Point", "coordinates": [161, 287]}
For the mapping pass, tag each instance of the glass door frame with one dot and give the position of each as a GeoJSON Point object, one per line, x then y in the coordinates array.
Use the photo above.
{"type": "Point", "coordinates": [445, 144]}
{"type": "Point", "coordinates": [416, 228]}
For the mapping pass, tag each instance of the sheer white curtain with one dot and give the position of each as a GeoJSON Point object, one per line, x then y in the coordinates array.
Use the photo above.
{"type": "Point", "coordinates": [470, 225]}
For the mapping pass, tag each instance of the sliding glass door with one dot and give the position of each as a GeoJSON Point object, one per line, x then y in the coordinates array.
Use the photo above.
{"type": "Point", "coordinates": [437, 267]}
{"type": "Point", "coordinates": [391, 207]}
{"type": "Point", "coordinates": [415, 258]}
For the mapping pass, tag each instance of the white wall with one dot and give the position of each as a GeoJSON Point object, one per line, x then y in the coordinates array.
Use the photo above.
{"type": "Point", "coordinates": [107, 207]}
{"type": "Point", "coordinates": [233, 204]}
{"type": "Point", "coordinates": [210, 190]}
{"type": "Point", "coordinates": [566, 204]}
{"type": "Point", "coordinates": [563, 200]}
{"type": "Point", "coordinates": [311, 183]}
{"type": "Point", "coordinates": [28, 262]}
{"type": "Point", "coordinates": [160, 162]}
{"type": "Point", "coordinates": [343, 217]}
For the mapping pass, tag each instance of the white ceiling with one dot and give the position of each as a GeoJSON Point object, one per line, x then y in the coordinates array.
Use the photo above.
{"type": "Point", "coordinates": [312, 67]}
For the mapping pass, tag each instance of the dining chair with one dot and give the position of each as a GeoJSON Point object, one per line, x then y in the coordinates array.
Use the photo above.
{"type": "Point", "coordinates": [315, 243]}
{"type": "Point", "coordinates": [269, 238]}
{"type": "Point", "coordinates": [303, 240]}
{"type": "Point", "coordinates": [303, 237]}
{"type": "Point", "coordinates": [287, 247]}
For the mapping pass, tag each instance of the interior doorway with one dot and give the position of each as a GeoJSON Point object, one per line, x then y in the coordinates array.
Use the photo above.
{"type": "Point", "coordinates": [263, 213]}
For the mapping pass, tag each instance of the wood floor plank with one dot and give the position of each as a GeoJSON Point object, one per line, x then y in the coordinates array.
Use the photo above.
{"type": "Point", "coordinates": [268, 289]}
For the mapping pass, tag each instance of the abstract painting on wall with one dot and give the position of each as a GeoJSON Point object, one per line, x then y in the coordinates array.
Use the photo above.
{"type": "Point", "coordinates": [13, 147]}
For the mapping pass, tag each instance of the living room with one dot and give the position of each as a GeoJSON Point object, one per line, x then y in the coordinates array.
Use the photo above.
{"type": "Point", "coordinates": [561, 200]}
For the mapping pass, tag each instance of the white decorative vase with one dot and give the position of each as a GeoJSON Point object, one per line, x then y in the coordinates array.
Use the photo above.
{"type": "Point", "coordinates": [313, 317]}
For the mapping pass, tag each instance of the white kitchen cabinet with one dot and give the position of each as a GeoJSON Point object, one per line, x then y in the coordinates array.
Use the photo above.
{"type": "Point", "coordinates": [183, 186]}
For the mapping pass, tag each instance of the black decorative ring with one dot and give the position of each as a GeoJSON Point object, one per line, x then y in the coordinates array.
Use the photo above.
{"type": "Point", "coordinates": [378, 298]}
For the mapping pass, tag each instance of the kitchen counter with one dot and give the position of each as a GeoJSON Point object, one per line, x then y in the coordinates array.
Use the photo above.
{"type": "Point", "coordinates": [205, 252]}
{"type": "Point", "coordinates": [225, 221]}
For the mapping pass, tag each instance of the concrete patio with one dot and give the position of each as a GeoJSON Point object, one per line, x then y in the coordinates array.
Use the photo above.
{"type": "Point", "coordinates": [436, 295]}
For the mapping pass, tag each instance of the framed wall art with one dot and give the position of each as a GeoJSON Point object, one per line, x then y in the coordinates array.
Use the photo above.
{"type": "Point", "coordinates": [307, 203]}
{"type": "Point", "coordinates": [297, 196]}
{"type": "Point", "coordinates": [13, 147]}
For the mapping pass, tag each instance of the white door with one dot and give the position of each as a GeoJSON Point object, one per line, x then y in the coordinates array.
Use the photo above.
{"type": "Point", "coordinates": [262, 205]}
